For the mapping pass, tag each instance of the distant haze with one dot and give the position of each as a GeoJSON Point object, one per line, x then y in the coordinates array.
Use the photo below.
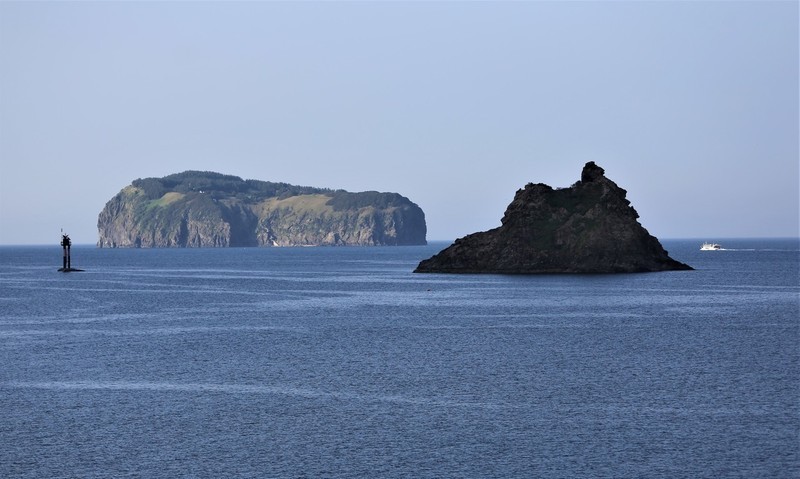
{"type": "Point", "coordinates": [690, 106]}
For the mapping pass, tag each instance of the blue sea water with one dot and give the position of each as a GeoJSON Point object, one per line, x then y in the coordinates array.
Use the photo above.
{"type": "Point", "coordinates": [340, 362]}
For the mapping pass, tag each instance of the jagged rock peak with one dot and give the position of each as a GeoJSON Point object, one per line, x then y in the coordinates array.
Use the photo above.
{"type": "Point", "coordinates": [589, 227]}
{"type": "Point", "coordinates": [591, 172]}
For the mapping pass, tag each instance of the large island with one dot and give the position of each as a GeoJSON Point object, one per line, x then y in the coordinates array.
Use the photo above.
{"type": "Point", "coordinates": [205, 209]}
{"type": "Point", "coordinates": [589, 227]}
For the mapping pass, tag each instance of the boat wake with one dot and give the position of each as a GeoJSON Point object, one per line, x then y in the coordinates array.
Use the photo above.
{"type": "Point", "coordinates": [305, 393]}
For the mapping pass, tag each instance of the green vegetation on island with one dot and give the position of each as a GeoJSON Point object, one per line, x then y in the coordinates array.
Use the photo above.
{"type": "Point", "coordinates": [207, 209]}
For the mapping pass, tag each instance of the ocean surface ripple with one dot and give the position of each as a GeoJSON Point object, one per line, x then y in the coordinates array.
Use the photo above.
{"type": "Point", "coordinates": [340, 363]}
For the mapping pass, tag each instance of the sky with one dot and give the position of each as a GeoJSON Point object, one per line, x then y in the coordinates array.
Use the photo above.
{"type": "Point", "coordinates": [692, 107]}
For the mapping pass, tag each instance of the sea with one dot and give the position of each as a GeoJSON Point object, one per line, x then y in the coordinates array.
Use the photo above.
{"type": "Point", "coordinates": [340, 362]}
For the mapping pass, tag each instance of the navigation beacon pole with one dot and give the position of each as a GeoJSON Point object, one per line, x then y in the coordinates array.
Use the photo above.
{"type": "Point", "coordinates": [66, 243]}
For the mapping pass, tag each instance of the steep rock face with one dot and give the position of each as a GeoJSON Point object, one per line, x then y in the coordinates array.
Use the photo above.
{"type": "Point", "coordinates": [587, 228]}
{"type": "Point", "coordinates": [202, 209]}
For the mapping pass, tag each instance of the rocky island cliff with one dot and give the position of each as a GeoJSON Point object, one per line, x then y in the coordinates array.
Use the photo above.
{"type": "Point", "coordinates": [205, 209]}
{"type": "Point", "coordinates": [589, 227]}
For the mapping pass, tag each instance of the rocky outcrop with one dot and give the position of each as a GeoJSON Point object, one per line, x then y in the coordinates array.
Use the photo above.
{"type": "Point", "coordinates": [203, 209]}
{"type": "Point", "coordinates": [587, 228]}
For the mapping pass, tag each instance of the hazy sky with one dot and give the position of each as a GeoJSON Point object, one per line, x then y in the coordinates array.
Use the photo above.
{"type": "Point", "coordinates": [690, 106]}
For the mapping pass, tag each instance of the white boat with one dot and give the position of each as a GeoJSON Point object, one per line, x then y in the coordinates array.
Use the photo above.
{"type": "Point", "coordinates": [710, 247]}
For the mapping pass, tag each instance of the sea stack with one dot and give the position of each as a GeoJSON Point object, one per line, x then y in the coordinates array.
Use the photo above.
{"type": "Point", "coordinates": [589, 227]}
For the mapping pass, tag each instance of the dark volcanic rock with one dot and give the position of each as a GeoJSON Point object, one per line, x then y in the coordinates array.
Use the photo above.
{"type": "Point", "coordinates": [587, 228]}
